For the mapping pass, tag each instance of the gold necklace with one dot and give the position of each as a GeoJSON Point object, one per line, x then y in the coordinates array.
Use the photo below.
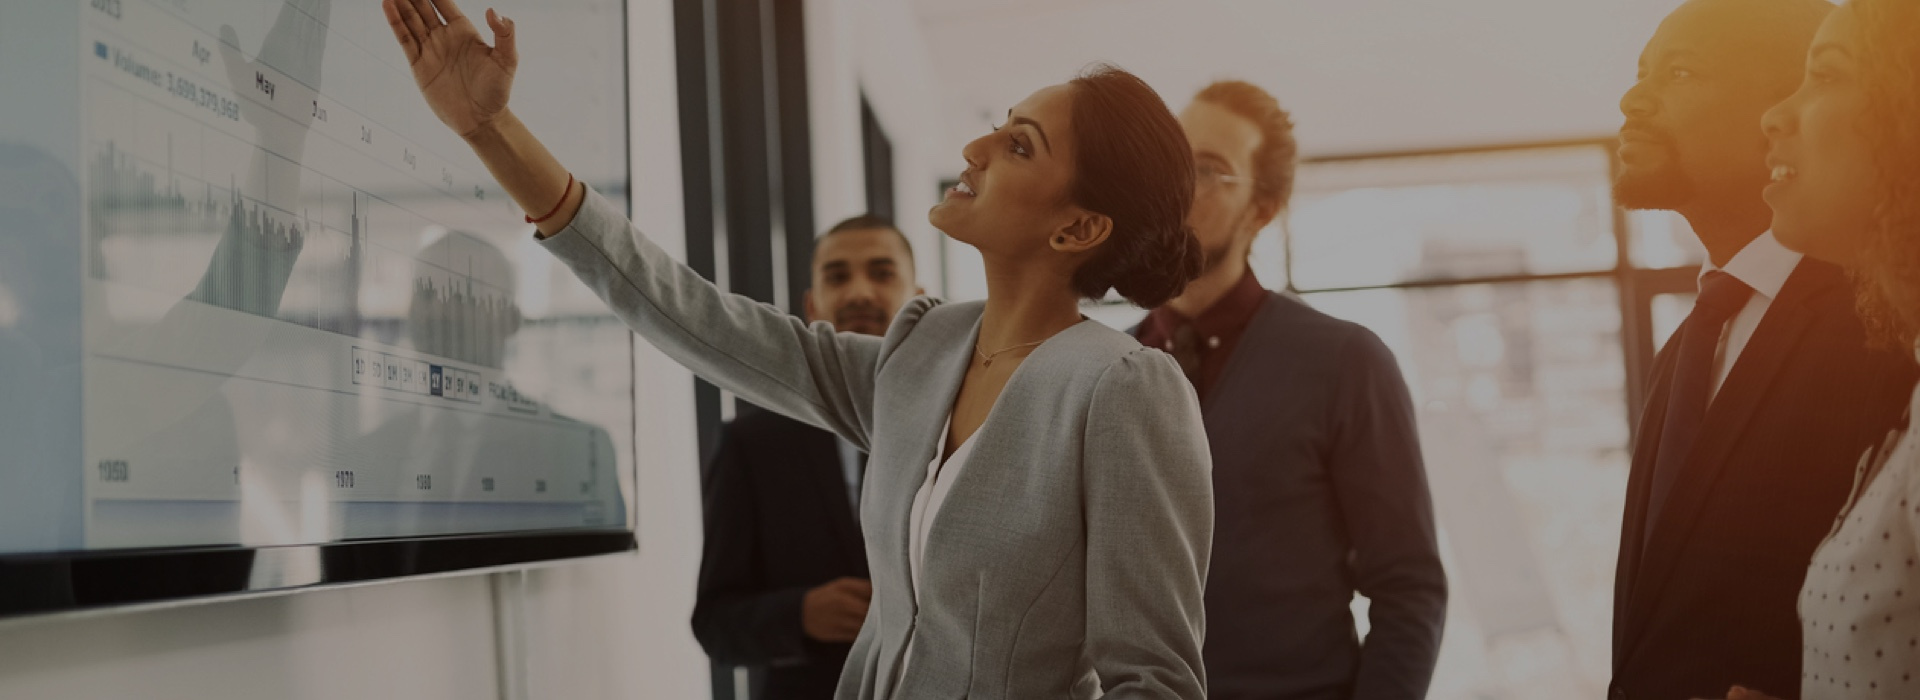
{"type": "Point", "coordinates": [986, 359]}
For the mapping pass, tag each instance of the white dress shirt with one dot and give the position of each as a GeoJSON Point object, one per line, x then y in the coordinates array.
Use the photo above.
{"type": "Point", "coordinates": [1860, 604]}
{"type": "Point", "coordinates": [850, 471]}
{"type": "Point", "coordinates": [1763, 265]}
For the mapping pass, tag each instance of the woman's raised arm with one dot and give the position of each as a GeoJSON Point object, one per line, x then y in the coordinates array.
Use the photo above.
{"type": "Point", "coordinates": [467, 83]}
{"type": "Point", "coordinates": [766, 356]}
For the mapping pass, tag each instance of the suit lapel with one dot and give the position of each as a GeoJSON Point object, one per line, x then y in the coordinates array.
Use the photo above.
{"type": "Point", "coordinates": [1775, 342]}
{"type": "Point", "coordinates": [1633, 526]}
{"type": "Point", "coordinates": [823, 459]}
{"type": "Point", "coordinates": [948, 370]}
{"type": "Point", "coordinates": [1746, 389]}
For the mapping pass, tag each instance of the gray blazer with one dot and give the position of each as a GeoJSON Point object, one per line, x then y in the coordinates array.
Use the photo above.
{"type": "Point", "coordinates": [1071, 554]}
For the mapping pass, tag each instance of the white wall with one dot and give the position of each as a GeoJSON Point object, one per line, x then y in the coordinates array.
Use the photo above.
{"type": "Point", "coordinates": [876, 46]}
{"type": "Point", "coordinates": [613, 627]}
{"type": "Point", "coordinates": [1360, 76]}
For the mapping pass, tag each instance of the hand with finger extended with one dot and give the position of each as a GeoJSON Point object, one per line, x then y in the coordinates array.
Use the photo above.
{"type": "Point", "coordinates": [835, 611]}
{"type": "Point", "coordinates": [466, 82]}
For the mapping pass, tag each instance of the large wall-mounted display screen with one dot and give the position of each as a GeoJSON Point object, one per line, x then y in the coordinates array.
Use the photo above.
{"type": "Point", "coordinates": [257, 305]}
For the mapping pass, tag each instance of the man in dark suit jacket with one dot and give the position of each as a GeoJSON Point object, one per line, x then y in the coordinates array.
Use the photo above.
{"type": "Point", "coordinates": [1319, 489]}
{"type": "Point", "coordinates": [1762, 402]}
{"type": "Point", "coordinates": [783, 578]}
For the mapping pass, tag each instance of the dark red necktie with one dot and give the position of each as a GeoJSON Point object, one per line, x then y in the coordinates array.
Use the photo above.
{"type": "Point", "coordinates": [1721, 297]}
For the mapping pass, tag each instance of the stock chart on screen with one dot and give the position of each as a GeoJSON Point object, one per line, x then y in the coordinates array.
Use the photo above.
{"type": "Point", "coordinates": [286, 305]}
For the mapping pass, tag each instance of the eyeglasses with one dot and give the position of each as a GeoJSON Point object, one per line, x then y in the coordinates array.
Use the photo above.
{"type": "Point", "coordinates": [1209, 175]}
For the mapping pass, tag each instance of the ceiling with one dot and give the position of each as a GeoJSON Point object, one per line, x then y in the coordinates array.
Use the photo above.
{"type": "Point", "coordinates": [1360, 76]}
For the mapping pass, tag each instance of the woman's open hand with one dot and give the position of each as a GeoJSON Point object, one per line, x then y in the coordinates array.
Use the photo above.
{"type": "Point", "coordinates": [465, 81]}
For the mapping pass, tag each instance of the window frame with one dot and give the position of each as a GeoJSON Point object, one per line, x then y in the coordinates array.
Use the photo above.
{"type": "Point", "coordinates": [1636, 286]}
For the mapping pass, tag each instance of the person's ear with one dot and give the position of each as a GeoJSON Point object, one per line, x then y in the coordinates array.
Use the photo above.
{"type": "Point", "coordinates": [1259, 215]}
{"type": "Point", "coordinates": [919, 291]}
{"type": "Point", "coordinates": [806, 305]}
{"type": "Point", "coordinates": [1086, 231]}
{"type": "Point", "coordinates": [1265, 209]}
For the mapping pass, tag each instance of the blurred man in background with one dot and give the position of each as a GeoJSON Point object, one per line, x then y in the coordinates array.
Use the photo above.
{"type": "Point", "coordinates": [1319, 488]}
{"type": "Point", "coordinates": [783, 579]}
{"type": "Point", "coordinates": [1763, 401]}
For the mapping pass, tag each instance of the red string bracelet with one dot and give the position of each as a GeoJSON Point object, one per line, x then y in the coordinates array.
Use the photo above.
{"type": "Point", "coordinates": [556, 205]}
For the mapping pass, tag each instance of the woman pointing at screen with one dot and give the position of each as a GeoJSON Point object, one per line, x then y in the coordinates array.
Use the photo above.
{"type": "Point", "coordinates": [1038, 505]}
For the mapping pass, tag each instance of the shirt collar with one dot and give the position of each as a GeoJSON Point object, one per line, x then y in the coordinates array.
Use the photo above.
{"type": "Point", "coordinates": [1227, 316]}
{"type": "Point", "coordinates": [1763, 265]}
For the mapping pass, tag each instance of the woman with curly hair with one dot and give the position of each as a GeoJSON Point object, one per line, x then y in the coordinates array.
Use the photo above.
{"type": "Point", "coordinates": [1846, 189]}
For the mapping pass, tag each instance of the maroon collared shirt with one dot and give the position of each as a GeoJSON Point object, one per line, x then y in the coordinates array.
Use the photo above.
{"type": "Point", "coordinates": [1216, 332]}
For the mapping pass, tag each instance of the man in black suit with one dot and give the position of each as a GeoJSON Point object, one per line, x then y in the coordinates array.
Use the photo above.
{"type": "Point", "coordinates": [1320, 492]}
{"type": "Point", "coordinates": [1762, 402]}
{"type": "Point", "coordinates": [783, 578]}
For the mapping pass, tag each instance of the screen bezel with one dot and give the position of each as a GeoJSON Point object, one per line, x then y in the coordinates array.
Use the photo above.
{"type": "Point", "coordinates": [40, 584]}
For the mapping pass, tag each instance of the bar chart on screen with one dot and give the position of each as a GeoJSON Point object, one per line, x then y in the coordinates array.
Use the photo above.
{"type": "Point", "coordinates": [303, 296]}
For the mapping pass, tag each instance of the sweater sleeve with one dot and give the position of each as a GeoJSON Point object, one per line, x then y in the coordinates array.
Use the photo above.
{"type": "Point", "coordinates": [1149, 510]}
{"type": "Point", "coordinates": [806, 371]}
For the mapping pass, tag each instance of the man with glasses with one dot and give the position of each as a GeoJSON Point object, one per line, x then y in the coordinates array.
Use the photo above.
{"type": "Point", "coordinates": [1318, 484]}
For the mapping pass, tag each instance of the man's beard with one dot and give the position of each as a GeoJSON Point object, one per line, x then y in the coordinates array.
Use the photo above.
{"type": "Point", "coordinates": [1212, 258]}
{"type": "Point", "coordinates": [1667, 187]}
{"type": "Point", "coordinates": [861, 318]}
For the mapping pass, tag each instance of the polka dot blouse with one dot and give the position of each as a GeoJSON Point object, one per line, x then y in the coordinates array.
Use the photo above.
{"type": "Point", "coordinates": [1860, 606]}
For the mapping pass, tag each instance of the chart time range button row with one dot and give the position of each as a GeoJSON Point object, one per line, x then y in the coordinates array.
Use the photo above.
{"type": "Point", "coordinates": [411, 376]}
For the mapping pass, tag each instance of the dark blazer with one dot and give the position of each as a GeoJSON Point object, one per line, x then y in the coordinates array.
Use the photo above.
{"type": "Point", "coordinates": [778, 524]}
{"type": "Point", "coordinates": [1711, 599]}
{"type": "Point", "coordinates": [1319, 493]}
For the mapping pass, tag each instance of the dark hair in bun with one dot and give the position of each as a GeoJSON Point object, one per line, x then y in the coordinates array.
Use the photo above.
{"type": "Point", "coordinates": [1134, 166]}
